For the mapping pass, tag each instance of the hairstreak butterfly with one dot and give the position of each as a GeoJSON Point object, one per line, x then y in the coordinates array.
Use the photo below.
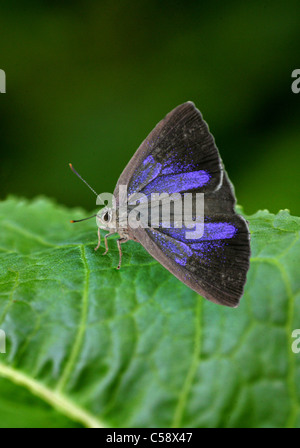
{"type": "Point", "coordinates": [180, 157]}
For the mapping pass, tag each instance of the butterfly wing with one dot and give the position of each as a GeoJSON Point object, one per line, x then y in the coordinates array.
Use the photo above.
{"type": "Point", "coordinates": [179, 144]}
{"type": "Point", "coordinates": [180, 156]}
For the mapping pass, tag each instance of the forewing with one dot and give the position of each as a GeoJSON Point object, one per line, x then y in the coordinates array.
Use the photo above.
{"type": "Point", "coordinates": [179, 150]}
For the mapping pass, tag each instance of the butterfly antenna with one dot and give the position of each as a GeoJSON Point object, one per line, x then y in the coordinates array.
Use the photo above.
{"type": "Point", "coordinates": [78, 175]}
{"type": "Point", "coordinates": [84, 219]}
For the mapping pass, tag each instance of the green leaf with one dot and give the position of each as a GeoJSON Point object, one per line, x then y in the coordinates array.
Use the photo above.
{"type": "Point", "coordinates": [88, 345]}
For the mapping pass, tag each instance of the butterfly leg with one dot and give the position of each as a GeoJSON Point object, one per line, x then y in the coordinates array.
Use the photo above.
{"type": "Point", "coordinates": [106, 243]}
{"type": "Point", "coordinates": [99, 239]}
{"type": "Point", "coordinates": [119, 242]}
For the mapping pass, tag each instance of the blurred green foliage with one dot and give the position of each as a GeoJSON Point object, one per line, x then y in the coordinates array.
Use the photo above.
{"type": "Point", "coordinates": [87, 81]}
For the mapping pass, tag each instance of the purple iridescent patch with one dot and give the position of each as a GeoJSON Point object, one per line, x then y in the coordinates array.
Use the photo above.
{"type": "Point", "coordinates": [175, 183]}
{"type": "Point", "coordinates": [173, 247]}
{"type": "Point", "coordinates": [142, 178]}
{"type": "Point", "coordinates": [212, 231]}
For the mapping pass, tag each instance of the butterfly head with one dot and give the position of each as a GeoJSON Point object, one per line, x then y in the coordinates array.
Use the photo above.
{"type": "Point", "coordinates": [106, 219]}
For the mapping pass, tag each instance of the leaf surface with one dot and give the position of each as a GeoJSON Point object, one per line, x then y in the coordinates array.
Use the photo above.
{"type": "Point", "coordinates": [88, 345]}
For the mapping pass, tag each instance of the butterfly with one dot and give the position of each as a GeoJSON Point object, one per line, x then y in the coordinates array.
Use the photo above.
{"type": "Point", "coordinates": [179, 157]}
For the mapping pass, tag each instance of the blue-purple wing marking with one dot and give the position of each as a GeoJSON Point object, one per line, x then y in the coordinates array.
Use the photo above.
{"type": "Point", "coordinates": [180, 156]}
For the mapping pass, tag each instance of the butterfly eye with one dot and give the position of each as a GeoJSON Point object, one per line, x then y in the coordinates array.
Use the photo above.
{"type": "Point", "coordinates": [106, 217]}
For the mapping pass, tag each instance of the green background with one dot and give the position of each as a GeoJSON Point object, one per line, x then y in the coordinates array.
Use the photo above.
{"type": "Point", "coordinates": [88, 80]}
